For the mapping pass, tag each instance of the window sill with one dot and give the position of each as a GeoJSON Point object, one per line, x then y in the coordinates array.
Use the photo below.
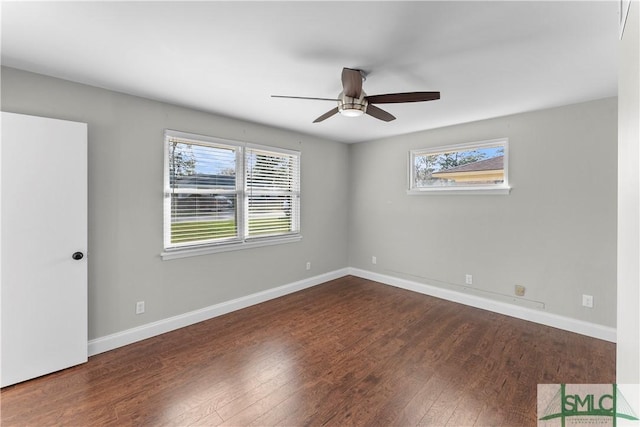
{"type": "Point", "coordinates": [461, 191]}
{"type": "Point", "coordinates": [235, 246]}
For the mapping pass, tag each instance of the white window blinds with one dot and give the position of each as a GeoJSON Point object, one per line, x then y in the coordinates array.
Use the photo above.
{"type": "Point", "coordinates": [203, 192]}
{"type": "Point", "coordinates": [220, 192]}
{"type": "Point", "coordinates": [272, 191]}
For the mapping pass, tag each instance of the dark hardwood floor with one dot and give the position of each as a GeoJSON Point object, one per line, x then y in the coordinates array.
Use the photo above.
{"type": "Point", "coordinates": [348, 352]}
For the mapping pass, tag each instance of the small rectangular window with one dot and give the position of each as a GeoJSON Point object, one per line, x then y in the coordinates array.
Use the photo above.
{"type": "Point", "coordinates": [479, 166]}
{"type": "Point", "coordinates": [226, 193]}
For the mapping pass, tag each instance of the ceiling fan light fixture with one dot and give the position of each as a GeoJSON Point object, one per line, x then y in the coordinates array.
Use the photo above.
{"type": "Point", "coordinates": [352, 107]}
{"type": "Point", "coordinates": [352, 112]}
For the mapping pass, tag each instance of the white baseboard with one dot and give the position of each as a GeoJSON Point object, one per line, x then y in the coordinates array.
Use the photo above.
{"type": "Point", "coordinates": [545, 318]}
{"type": "Point", "coordinates": [129, 336]}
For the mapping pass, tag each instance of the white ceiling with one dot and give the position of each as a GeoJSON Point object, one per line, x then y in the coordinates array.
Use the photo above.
{"type": "Point", "coordinates": [487, 59]}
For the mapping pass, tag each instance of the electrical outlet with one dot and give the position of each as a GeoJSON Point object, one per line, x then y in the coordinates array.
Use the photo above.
{"type": "Point", "coordinates": [468, 279]}
{"type": "Point", "coordinates": [374, 260]}
{"type": "Point", "coordinates": [308, 265]}
{"type": "Point", "coordinates": [587, 301]}
{"type": "Point", "coordinates": [140, 307]}
{"type": "Point", "coordinates": [520, 290]}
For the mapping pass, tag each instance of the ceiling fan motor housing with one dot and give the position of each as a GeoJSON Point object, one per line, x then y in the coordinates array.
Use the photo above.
{"type": "Point", "coordinates": [352, 107]}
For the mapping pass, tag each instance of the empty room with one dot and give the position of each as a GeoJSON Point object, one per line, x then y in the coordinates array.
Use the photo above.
{"type": "Point", "coordinates": [236, 213]}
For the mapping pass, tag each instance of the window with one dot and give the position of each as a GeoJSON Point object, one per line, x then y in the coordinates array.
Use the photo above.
{"type": "Point", "coordinates": [474, 167]}
{"type": "Point", "coordinates": [223, 195]}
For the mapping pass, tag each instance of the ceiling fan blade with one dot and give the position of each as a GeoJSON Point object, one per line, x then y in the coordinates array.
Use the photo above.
{"type": "Point", "coordinates": [305, 97]}
{"type": "Point", "coordinates": [351, 82]}
{"type": "Point", "coordinates": [326, 115]}
{"type": "Point", "coordinates": [395, 98]}
{"type": "Point", "coordinates": [379, 113]}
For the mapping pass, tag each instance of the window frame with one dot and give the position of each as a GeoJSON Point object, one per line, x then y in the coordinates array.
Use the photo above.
{"type": "Point", "coordinates": [490, 189]}
{"type": "Point", "coordinates": [242, 240]}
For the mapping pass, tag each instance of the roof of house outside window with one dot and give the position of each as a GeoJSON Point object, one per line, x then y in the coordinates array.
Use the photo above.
{"type": "Point", "coordinates": [494, 163]}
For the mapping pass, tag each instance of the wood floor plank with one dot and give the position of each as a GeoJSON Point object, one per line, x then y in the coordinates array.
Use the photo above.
{"type": "Point", "coordinates": [416, 409]}
{"type": "Point", "coordinates": [347, 352]}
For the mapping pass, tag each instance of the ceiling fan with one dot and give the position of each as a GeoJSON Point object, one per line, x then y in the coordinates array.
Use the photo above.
{"type": "Point", "coordinates": [354, 102]}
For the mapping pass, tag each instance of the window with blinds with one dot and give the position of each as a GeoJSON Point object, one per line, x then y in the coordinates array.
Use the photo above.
{"type": "Point", "coordinates": [272, 192]}
{"type": "Point", "coordinates": [226, 193]}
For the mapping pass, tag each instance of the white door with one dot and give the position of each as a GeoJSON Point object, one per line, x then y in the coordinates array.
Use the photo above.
{"type": "Point", "coordinates": [43, 224]}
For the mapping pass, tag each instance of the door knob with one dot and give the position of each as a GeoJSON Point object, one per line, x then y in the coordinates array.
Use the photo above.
{"type": "Point", "coordinates": [77, 256]}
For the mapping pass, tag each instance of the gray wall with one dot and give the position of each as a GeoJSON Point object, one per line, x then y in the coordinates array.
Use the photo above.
{"type": "Point", "coordinates": [126, 201]}
{"type": "Point", "coordinates": [555, 233]}
{"type": "Point", "coordinates": [628, 349]}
